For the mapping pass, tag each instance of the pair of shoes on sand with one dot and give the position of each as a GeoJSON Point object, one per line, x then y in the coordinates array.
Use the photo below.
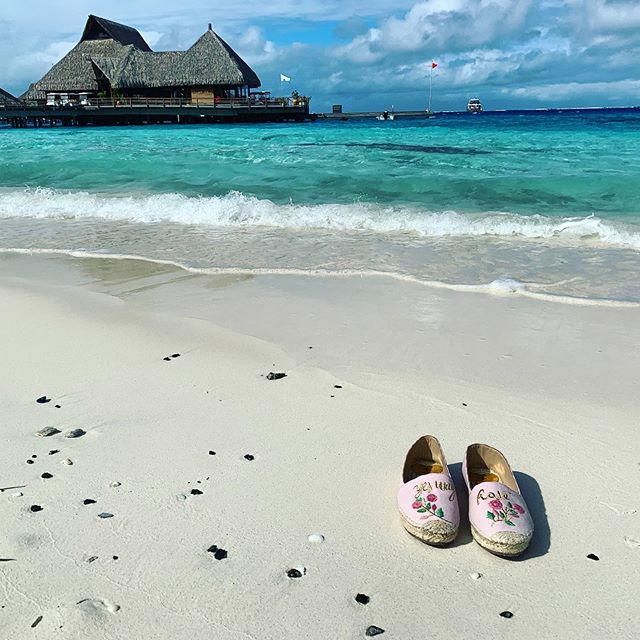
{"type": "Point", "coordinates": [499, 518]}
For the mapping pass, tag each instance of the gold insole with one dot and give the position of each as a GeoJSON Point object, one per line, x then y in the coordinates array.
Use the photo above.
{"type": "Point", "coordinates": [423, 467]}
{"type": "Point", "coordinates": [476, 476]}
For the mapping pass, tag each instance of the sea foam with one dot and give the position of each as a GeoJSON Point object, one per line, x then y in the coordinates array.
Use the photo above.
{"type": "Point", "coordinates": [239, 210]}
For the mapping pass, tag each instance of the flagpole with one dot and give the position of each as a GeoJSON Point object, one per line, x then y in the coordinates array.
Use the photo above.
{"type": "Point", "coordinates": [430, 83]}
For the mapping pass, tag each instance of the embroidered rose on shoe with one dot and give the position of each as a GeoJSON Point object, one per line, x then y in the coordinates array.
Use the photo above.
{"type": "Point", "coordinates": [427, 504]}
{"type": "Point", "coordinates": [500, 513]}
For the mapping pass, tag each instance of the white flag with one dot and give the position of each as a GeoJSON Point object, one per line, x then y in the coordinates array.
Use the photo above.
{"type": "Point", "coordinates": [284, 78]}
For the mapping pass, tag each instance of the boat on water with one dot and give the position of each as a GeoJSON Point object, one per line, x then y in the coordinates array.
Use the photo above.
{"type": "Point", "coordinates": [474, 106]}
{"type": "Point", "coordinates": [386, 115]}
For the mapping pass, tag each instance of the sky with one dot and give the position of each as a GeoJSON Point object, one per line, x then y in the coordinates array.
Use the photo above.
{"type": "Point", "coordinates": [372, 55]}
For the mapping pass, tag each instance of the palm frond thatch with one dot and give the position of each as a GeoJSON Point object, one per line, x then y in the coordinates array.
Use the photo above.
{"type": "Point", "coordinates": [101, 28]}
{"type": "Point", "coordinates": [6, 99]}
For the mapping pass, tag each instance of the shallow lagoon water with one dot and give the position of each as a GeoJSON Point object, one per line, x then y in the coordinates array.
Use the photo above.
{"type": "Point", "coordinates": [551, 200]}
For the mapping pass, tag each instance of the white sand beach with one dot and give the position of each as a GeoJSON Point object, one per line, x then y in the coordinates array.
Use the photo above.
{"type": "Point", "coordinates": [372, 363]}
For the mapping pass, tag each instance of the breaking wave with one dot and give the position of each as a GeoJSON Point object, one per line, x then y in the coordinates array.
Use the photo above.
{"type": "Point", "coordinates": [238, 210]}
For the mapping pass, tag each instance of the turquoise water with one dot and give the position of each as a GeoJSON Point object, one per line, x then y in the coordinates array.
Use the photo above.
{"type": "Point", "coordinates": [550, 199]}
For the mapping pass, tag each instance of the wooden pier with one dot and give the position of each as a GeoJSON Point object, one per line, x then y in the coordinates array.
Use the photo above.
{"type": "Point", "coordinates": [348, 115]}
{"type": "Point", "coordinates": [152, 111]}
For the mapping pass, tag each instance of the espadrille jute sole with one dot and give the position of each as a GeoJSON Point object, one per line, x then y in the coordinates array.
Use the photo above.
{"type": "Point", "coordinates": [436, 534]}
{"type": "Point", "coordinates": [506, 550]}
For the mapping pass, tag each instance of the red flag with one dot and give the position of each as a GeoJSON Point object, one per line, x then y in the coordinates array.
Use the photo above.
{"type": "Point", "coordinates": [434, 65]}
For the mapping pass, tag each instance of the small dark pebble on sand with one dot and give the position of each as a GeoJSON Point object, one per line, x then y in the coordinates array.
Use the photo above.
{"type": "Point", "coordinates": [47, 431]}
{"type": "Point", "coordinates": [593, 556]}
{"type": "Point", "coordinates": [464, 404]}
{"type": "Point", "coordinates": [362, 598]}
{"type": "Point", "coordinates": [373, 631]}
{"type": "Point", "coordinates": [43, 400]}
{"type": "Point", "coordinates": [295, 573]}
{"type": "Point", "coordinates": [75, 433]}
{"type": "Point", "coordinates": [57, 406]}
{"type": "Point", "coordinates": [54, 451]}
{"type": "Point", "coordinates": [218, 554]}
{"type": "Point", "coordinates": [196, 492]}
{"type": "Point", "coordinates": [337, 386]}
{"type": "Point", "coordinates": [46, 475]}
{"type": "Point", "coordinates": [167, 358]}
{"type": "Point", "coordinates": [249, 457]}
{"type": "Point", "coordinates": [276, 376]}
{"type": "Point", "coordinates": [34, 456]}
{"type": "Point", "coordinates": [115, 557]}
{"type": "Point", "coordinates": [212, 453]}
{"type": "Point", "coordinates": [175, 355]}
{"type": "Point", "coordinates": [89, 501]}
{"type": "Point", "coordinates": [36, 622]}
{"type": "Point", "coordinates": [105, 514]}
{"type": "Point", "coordinates": [506, 614]}
{"type": "Point", "coordinates": [29, 461]}
{"type": "Point", "coordinates": [35, 508]}
{"type": "Point", "coordinates": [92, 559]}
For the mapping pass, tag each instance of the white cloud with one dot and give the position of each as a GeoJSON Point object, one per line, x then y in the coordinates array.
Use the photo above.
{"type": "Point", "coordinates": [602, 16]}
{"type": "Point", "coordinates": [562, 91]}
{"type": "Point", "coordinates": [511, 52]}
{"type": "Point", "coordinates": [255, 48]}
{"type": "Point", "coordinates": [438, 25]}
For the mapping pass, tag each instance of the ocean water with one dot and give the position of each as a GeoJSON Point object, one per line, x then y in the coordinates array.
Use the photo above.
{"type": "Point", "coordinates": [543, 203]}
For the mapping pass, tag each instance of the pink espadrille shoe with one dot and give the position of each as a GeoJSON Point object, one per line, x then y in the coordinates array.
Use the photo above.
{"type": "Point", "coordinates": [499, 517]}
{"type": "Point", "coordinates": [427, 499]}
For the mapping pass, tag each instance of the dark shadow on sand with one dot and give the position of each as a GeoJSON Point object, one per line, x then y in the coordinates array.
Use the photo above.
{"type": "Point", "coordinates": [542, 533]}
{"type": "Point", "coordinates": [464, 532]}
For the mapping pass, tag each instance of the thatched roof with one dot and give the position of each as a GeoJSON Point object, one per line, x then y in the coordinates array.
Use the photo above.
{"type": "Point", "coordinates": [213, 61]}
{"type": "Point", "coordinates": [33, 94]}
{"type": "Point", "coordinates": [101, 28]}
{"type": "Point", "coordinates": [6, 99]}
{"type": "Point", "coordinates": [121, 54]}
{"type": "Point", "coordinates": [75, 71]}
{"type": "Point", "coordinates": [210, 61]}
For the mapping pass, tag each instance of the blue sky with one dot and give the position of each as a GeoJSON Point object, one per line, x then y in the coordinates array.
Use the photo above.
{"type": "Point", "coordinates": [510, 53]}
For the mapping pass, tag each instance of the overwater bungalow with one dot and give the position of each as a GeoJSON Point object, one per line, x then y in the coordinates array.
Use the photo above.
{"type": "Point", "coordinates": [113, 61]}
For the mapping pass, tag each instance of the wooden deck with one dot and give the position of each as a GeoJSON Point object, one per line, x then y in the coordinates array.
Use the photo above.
{"type": "Point", "coordinates": [152, 111]}
{"type": "Point", "coordinates": [348, 115]}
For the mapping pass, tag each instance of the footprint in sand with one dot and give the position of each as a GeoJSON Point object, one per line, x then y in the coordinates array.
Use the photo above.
{"type": "Point", "coordinates": [619, 509]}
{"type": "Point", "coordinates": [98, 605]}
{"type": "Point", "coordinates": [631, 542]}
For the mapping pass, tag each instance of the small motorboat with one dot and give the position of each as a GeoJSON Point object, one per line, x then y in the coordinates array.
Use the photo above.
{"type": "Point", "coordinates": [386, 115]}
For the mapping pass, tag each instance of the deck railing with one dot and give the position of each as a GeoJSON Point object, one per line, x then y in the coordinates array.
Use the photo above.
{"type": "Point", "coordinates": [114, 103]}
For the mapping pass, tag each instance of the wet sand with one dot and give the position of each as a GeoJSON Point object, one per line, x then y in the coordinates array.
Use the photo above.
{"type": "Point", "coordinates": [185, 507]}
